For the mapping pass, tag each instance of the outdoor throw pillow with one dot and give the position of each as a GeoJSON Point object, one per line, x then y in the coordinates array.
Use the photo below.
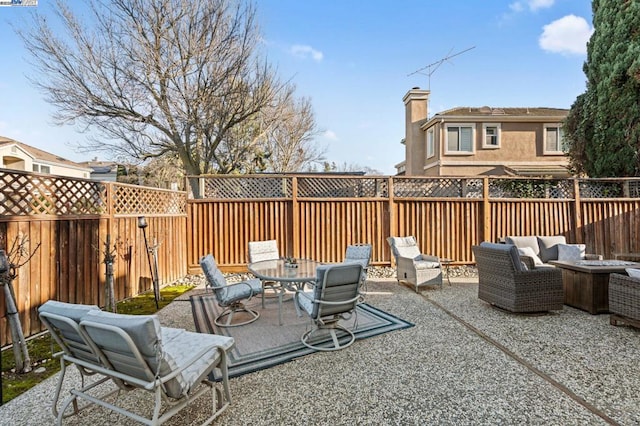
{"type": "Point", "coordinates": [549, 247]}
{"type": "Point", "coordinates": [528, 251]}
{"type": "Point", "coordinates": [633, 273]}
{"type": "Point", "coordinates": [571, 252]}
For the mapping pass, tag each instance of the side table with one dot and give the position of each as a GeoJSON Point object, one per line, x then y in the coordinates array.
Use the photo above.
{"type": "Point", "coordinates": [446, 262]}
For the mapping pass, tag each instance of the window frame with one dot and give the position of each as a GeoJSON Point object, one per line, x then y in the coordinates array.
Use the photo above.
{"type": "Point", "coordinates": [472, 126]}
{"type": "Point", "coordinates": [431, 143]}
{"type": "Point", "coordinates": [38, 168]}
{"type": "Point", "coordinates": [498, 135]}
{"type": "Point", "coordinates": [560, 133]}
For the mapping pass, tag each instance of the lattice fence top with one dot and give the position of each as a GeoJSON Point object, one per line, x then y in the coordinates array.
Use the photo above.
{"type": "Point", "coordinates": [594, 188]}
{"type": "Point", "coordinates": [138, 200]}
{"type": "Point", "coordinates": [317, 187]}
{"type": "Point", "coordinates": [531, 188]}
{"type": "Point", "coordinates": [29, 194]}
{"type": "Point", "coordinates": [438, 188]}
{"type": "Point", "coordinates": [247, 187]}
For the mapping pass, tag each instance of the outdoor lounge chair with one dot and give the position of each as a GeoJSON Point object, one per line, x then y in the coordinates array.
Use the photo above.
{"type": "Point", "coordinates": [334, 297]}
{"type": "Point", "coordinates": [136, 353]}
{"type": "Point", "coordinates": [230, 296]}
{"type": "Point", "coordinates": [412, 266]}
{"type": "Point", "coordinates": [506, 282]}
{"type": "Point", "coordinates": [260, 251]}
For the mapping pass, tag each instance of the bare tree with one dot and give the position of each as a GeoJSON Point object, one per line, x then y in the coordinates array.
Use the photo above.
{"type": "Point", "coordinates": [290, 141]}
{"type": "Point", "coordinates": [278, 139]}
{"type": "Point", "coordinates": [155, 77]}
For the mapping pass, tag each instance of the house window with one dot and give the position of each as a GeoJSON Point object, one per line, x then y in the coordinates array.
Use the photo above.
{"type": "Point", "coordinates": [554, 139]}
{"type": "Point", "coordinates": [431, 147]}
{"type": "Point", "coordinates": [491, 135]}
{"type": "Point", "coordinates": [459, 138]}
{"type": "Point", "coordinates": [41, 169]}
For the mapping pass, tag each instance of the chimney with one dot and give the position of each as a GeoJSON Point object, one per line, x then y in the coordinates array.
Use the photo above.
{"type": "Point", "coordinates": [416, 112]}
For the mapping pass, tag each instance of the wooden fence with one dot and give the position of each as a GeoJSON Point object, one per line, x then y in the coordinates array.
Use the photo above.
{"type": "Point", "coordinates": [316, 216]}
{"type": "Point", "coordinates": [311, 216]}
{"type": "Point", "coordinates": [65, 223]}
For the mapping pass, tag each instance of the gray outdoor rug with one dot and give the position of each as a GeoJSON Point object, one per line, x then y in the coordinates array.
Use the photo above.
{"type": "Point", "coordinates": [264, 343]}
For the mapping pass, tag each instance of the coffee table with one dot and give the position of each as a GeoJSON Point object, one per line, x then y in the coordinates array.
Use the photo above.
{"type": "Point", "coordinates": [586, 282]}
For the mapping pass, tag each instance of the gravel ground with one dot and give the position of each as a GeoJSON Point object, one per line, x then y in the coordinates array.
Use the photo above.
{"type": "Point", "coordinates": [463, 363]}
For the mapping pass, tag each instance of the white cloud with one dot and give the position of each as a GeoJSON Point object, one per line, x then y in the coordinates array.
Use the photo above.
{"type": "Point", "coordinates": [331, 135]}
{"type": "Point", "coordinates": [516, 7]}
{"type": "Point", "coordinates": [533, 5]}
{"type": "Point", "coordinates": [304, 51]}
{"type": "Point", "coordinates": [540, 4]}
{"type": "Point", "coordinates": [567, 35]}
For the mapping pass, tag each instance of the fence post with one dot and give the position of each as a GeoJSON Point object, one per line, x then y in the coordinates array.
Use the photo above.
{"type": "Point", "coordinates": [577, 214]}
{"type": "Point", "coordinates": [295, 219]}
{"type": "Point", "coordinates": [392, 220]}
{"type": "Point", "coordinates": [486, 210]}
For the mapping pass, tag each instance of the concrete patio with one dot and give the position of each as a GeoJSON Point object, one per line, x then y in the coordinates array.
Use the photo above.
{"type": "Point", "coordinates": [464, 362]}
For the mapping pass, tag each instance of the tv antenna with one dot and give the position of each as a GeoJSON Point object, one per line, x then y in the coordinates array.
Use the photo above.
{"type": "Point", "coordinates": [431, 68]}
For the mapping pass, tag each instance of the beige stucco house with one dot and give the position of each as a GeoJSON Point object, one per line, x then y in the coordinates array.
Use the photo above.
{"type": "Point", "coordinates": [467, 141]}
{"type": "Point", "coordinates": [20, 156]}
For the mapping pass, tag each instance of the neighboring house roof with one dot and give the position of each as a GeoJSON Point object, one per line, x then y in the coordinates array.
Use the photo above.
{"type": "Point", "coordinates": [486, 110]}
{"type": "Point", "coordinates": [40, 155]}
{"type": "Point", "coordinates": [502, 114]}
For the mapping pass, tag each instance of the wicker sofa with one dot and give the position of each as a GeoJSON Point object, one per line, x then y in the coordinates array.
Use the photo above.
{"type": "Point", "coordinates": [506, 282]}
{"type": "Point", "coordinates": [624, 300]}
{"type": "Point", "coordinates": [538, 251]}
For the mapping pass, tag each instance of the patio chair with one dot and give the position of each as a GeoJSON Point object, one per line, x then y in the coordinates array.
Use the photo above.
{"type": "Point", "coordinates": [334, 297]}
{"type": "Point", "coordinates": [230, 296]}
{"type": "Point", "coordinates": [266, 250]}
{"type": "Point", "coordinates": [412, 266]}
{"type": "Point", "coordinates": [505, 281]}
{"type": "Point", "coordinates": [136, 353]}
{"type": "Point", "coordinates": [359, 253]}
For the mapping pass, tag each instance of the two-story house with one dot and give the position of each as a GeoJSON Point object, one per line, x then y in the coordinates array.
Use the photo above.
{"type": "Point", "coordinates": [20, 156]}
{"type": "Point", "coordinates": [468, 141]}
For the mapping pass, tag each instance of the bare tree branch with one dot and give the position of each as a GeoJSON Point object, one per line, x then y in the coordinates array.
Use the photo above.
{"type": "Point", "coordinates": [158, 77]}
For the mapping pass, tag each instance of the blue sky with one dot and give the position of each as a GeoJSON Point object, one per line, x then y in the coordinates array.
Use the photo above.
{"type": "Point", "coordinates": [353, 58]}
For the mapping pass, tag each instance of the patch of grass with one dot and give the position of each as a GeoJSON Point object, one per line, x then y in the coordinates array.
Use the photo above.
{"type": "Point", "coordinates": [42, 347]}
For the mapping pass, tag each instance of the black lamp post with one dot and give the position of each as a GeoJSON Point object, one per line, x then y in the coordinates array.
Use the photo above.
{"type": "Point", "coordinates": [151, 251]}
{"type": "Point", "coordinates": [4, 269]}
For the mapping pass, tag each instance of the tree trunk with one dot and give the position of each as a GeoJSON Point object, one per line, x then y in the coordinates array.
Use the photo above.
{"type": "Point", "coordinates": [20, 351]}
{"type": "Point", "coordinates": [109, 293]}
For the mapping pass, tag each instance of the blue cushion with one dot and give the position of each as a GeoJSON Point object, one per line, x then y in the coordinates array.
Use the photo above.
{"type": "Point", "coordinates": [73, 311]}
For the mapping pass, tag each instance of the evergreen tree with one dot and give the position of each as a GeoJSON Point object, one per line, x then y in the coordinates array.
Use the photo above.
{"type": "Point", "coordinates": [603, 126]}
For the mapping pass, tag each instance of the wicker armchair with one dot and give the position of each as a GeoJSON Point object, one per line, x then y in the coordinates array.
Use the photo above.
{"type": "Point", "coordinates": [505, 282]}
{"type": "Point", "coordinates": [624, 300]}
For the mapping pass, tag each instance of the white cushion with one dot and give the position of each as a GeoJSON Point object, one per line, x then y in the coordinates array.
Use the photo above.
{"type": "Point", "coordinates": [425, 264]}
{"type": "Point", "coordinates": [528, 251]}
{"type": "Point", "coordinates": [633, 273]}
{"type": "Point", "coordinates": [522, 242]}
{"type": "Point", "coordinates": [405, 247]}
{"type": "Point", "coordinates": [571, 252]}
